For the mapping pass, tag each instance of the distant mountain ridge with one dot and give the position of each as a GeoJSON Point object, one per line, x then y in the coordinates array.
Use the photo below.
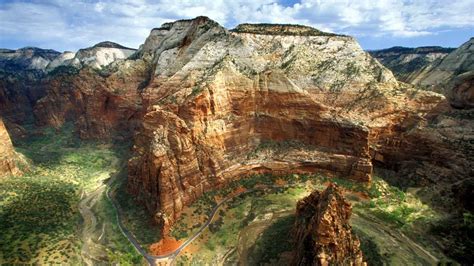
{"type": "Point", "coordinates": [405, 62]}
{"type": "Point", "coordinates": [446, 70]}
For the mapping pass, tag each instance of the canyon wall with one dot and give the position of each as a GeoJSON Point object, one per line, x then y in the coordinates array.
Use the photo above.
{"type": "Point", "coordinates": [407, 63]}
{"type": "Point", "coordinates": [205, 106]}
{"type": "Point", "coordinates": [219, 102]}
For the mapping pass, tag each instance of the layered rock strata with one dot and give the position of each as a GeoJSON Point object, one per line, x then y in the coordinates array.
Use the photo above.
{"type": "Point", "coordinates": [406, 63]}
{"type": "Point", "coordinates": [217, 98]}
{"type": "Point", "coordinates": [207, 106]}
{"type": "Point", "coordinates": [435, 69]}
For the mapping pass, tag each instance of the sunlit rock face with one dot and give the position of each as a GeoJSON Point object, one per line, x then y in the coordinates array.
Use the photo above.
{"type": "Point", "coordinates": [454, 75]}
{"type": "Point", "coordinates": [9, 159]}
{"type": "Point", "coordinates": [218, 102]}
{"type": "Point", "coordinates": [322, 231]}
{"type": "Point", "coordinates": [97, 56]}
{"type": "Point", "coordinates": [446, 70]}
{"type": "Point", "coordinates": [96, 88]}
{"type": "Point", "coordinates": [206, 105]}
{"type": "Point", "coordinates": [29, 74]}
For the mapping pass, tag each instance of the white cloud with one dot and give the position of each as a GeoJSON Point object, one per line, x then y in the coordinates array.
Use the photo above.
{"type": "Point", "coordinates": [64, 24]}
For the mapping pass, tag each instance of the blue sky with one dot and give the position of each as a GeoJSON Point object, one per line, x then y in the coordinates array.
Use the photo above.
{"type": "Point", "coordinates": [74, 24]}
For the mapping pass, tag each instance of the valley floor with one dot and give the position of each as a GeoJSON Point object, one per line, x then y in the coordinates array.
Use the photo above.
{"type": "Point", "coordinates": [255, 228]}
{"type": "Point", "coordinates": [59, 213]}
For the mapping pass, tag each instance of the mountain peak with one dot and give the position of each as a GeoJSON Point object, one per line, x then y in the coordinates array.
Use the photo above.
{"type": "Point", "coordinates": [197, 20]}
{"type": "Point", "coordinates": [109, 44]}
{"type": "Point", "coordinates": [280, 29]}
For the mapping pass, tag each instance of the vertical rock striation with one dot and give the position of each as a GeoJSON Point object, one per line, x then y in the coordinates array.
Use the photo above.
{"type": "Point", "coordinates": [322, 231]}
{"type": "Point", "coordinates": [9, 159]}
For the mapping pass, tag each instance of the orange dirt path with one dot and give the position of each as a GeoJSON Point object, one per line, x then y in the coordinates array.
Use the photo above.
{"type": "Point", "coordinates": [164, 246]}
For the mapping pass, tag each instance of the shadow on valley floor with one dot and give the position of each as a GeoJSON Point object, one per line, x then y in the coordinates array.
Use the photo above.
{"type": "Point", "coordinates": [451, 229]}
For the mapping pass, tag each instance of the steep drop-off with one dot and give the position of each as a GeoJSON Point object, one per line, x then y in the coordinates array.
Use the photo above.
{"type": "Point", "coordinates": [217, 98]}
{"type": "Point", "coordinates": [206, 106]}
{"type": "Point", "coordinates": [323, 234]}
{"type": "Point", "coordinates": [10, 161]}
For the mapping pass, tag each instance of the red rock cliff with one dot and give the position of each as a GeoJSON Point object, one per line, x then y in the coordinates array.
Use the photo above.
{"type": "Point", "coordinates": [9, 159]}
{"type": "Point", "coordinates": [323, 234]}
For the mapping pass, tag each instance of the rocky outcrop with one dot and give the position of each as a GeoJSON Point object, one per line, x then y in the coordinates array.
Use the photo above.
{"type": "Point", "coordinates": [9, 159]}
{"type": "Point", "coordinates": [102, 105]}
{"type": "Point", "coordinates": [216, 96]}
{"type": "Point", "coordinates": [21, 81]}
{"type": "Point", "coordinates": [28, 58]}
{"type": "Point", "coordinates": [322, 232]}
{"type": "Point", "coordinates": [406, 63]}
{"type": "Point", "coordinates": [453, 75]}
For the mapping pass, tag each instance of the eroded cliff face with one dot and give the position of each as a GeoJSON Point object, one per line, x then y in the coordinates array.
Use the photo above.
{"type": "Point", "coordinates": [9, 159]}
{"type": "Point", "coordinates": [216, 99]}
{"type": "Point", "coordinates": [102, 105]}
{"type": "Point", "coordinates": [30, 74]}
{"type": "Point", "coordinates": [21, 81]}
{"type": "Point", "coordinates": [323, 234]}
{"type": "Point", "coordinates": [207, 105]}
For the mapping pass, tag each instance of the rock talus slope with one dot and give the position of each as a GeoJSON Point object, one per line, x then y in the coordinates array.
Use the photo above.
{"type": "Point", "coordinates": [323, 234]}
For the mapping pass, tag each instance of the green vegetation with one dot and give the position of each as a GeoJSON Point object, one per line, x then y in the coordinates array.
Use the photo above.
{"type": "Point", "coordinates": [280, 29]}
{"type": "Point", "coordinates": [255, 223]}
{"type": "Point", "coordinates": [135, 216]}
{"type": "Point", "coordinates": [64, 70]}
{"type": "Point", "coordinates": [35, 213]}
{"type": "Point", "coordinates": [39, 217]}
{"type": "Point", "coordinates": [119, 249]}
{"type": "Point", "coordinates": [240, 214]}
{"type": "Point", "coordinates": [392, 205]}
{"type": "Point", "coordinates": [196, 90]}
{"type": "Point", "coordinates": [274, 240]}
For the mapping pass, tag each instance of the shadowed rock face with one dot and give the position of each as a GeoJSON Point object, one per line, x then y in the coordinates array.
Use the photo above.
{"type": "Point", "coordinates": [323, 234]}
{"type": "Point", "coordinates": [28, 74]}
{"type": "Point", "coordinates": [21, 85]}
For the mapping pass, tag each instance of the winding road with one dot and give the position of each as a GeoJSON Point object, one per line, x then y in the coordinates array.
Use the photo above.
{"type": "Point", "coordinates": [170, 257]}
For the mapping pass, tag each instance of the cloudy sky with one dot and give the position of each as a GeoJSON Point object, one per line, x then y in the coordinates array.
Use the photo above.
{"type": "Point", "coordinates": [73, 24]}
